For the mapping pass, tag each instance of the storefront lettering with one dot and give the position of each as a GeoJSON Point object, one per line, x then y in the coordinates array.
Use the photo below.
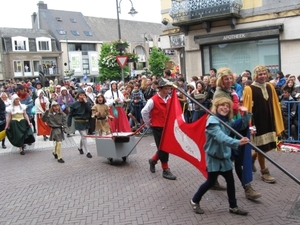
{"type": "Point", "coordinates": [234, 36]}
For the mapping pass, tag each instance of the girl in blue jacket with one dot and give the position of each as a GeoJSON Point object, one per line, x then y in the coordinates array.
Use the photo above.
{"type": "Point", "coordinates": [218, 152]}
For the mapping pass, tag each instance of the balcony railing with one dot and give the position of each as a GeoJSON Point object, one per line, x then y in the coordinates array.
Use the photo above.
{"type": "Point", "coordinates": [189, 11]}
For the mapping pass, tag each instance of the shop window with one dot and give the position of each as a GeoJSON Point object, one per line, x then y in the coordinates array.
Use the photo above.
{"type": "Point", "coordinates": [239, 56]}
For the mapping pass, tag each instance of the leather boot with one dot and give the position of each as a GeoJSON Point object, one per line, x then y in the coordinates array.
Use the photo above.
{"type": "Point", "coordinates": [266, 176]}
{"type": "Point", "coordinates": [250, 193]}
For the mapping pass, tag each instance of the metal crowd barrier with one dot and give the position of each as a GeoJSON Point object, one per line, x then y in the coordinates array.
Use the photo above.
{"type": "Point", "coordinates": [289, 138]}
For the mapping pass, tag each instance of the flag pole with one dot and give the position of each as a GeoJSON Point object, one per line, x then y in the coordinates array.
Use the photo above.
{"type": "Point", "coordinates": [239, 135]}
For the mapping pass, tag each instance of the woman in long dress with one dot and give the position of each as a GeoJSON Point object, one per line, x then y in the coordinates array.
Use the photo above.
{"type": "Point", "coordinates": [18, 126]}
{"type": "Point", "coordinates": [114, 99]}
{"type": "Point", "coordinates": [41, 105]}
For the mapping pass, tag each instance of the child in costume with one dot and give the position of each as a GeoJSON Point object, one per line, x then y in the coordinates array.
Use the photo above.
{"type": "Point", "coordinates": [57, 120]}
{"type": "Point", "coordinates": [100, 111]}
{"type": "Point", "coordinates": [218, 152]}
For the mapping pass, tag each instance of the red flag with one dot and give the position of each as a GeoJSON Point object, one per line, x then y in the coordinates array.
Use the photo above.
{"type": "Point", "coordinates": [185, 140]}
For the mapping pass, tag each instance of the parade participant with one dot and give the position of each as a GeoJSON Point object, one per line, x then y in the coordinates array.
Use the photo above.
{"type": "Point", "coordinates": [100, 111]}
{"type": "Point", "coordinates": [91, 98]}
{"type": "Point", "coordinates": [41, 105]}
{"type": "Point", "coordinates": [156, 108]}
{"type": "Point", "coordinates": [80, 110]}
{"type": "Point", "coordinates": [114, 99]}
{"type": "Point", "coordinates": [224, 89]}
{"type": "Point", "coordinates": [26, 99]}
{"type": "Point", "coordinates": [65, 99]}
{"type": "Point", "coordinates": [18, 126]}
{"type": "Point", "coordinates": [56, 119]}
{"type": "Point", "coordinates": [218, 152]}
{"type": "Point", "coordinates": [261, 99]}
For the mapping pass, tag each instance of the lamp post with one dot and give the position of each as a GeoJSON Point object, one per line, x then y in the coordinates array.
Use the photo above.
{"type": "Point", "coordinates": [132, 12]}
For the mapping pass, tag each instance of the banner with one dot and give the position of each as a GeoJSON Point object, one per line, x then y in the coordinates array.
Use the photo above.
{"type": "Point", "coordinates": [185, 140]}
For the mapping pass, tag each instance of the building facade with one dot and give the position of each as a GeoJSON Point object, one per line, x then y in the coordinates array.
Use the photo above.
{"type": "Point", "coordinates": [235, 34]}
{"type": "Point", "coordinates": [24, 53]}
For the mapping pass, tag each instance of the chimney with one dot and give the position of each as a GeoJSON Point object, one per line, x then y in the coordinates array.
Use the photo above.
{"type": "Point", "coordinates": [33, 19]}
{"type": "Point", "coordinates": [42, 5]}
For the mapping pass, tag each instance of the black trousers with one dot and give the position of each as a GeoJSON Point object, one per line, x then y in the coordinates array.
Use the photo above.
{"type": "Point", "coordinates": [157, 133]}
{"type": "Point", "coordinates": [212, 177]}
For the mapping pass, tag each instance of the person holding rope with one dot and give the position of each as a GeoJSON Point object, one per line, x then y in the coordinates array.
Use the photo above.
{"type": "Point", "coordinates": [261, 99]}
{"type": "Point", "coordinates": [154, 115]}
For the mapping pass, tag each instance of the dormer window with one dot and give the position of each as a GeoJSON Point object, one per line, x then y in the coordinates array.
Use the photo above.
{"type": "Point", "coordinates": [75, 32]}
{"type": "Point", "coordinates": [73, 20]}
{"type": "Point", "coordinates": [20, 44]}
{"type": "Point", "coordinates": [43, 44]}
{"type": "Point", "coordinates": [61, 32]}
{"type": "Point", "coordinates": [88, 33]}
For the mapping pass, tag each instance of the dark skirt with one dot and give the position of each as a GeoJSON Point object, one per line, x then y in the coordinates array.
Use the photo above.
{"type": "Point", "coordinates": [19, 133]}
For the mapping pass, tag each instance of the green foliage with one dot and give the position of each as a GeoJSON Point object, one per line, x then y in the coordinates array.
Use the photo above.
{"type": "Point", "coordinates": [109, 69]}
{"type": "Point", "coordinates": [157, 61]}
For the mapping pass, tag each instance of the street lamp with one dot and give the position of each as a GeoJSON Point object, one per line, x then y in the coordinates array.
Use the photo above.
{"type": "Point", "coordinates": [132, 12]}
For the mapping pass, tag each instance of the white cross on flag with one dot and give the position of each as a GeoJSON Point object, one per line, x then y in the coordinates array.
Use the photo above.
{"type": "Point", "coordinates": [122, 60]}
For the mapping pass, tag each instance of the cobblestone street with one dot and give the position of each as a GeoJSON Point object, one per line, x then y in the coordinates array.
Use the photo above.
{"type": "Point", "coordinates": [36, 189]}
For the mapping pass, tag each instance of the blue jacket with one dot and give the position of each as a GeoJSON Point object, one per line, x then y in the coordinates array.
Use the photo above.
{"type": "Point", "coordinates": [218, 143]}
{"type": "Point", "coordinates": [29, 104]}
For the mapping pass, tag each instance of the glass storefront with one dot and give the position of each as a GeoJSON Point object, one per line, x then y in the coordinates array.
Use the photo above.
{"type": "Point", "coordinates": [240, 56]}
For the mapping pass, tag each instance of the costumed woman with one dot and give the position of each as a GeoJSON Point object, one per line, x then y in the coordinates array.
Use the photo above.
{"type": "Point", "coordinates": [114, 99]}
{"type": "Point", "coordinates": [18, 126]}
{"type": "Point", "coordinates": [41, 105]}
{"type": "Point", "coordinates": [65, 99]}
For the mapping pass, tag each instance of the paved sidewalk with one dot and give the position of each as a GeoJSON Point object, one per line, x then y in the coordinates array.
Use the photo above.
{"type": "Point", "coordinates": [36, 189]}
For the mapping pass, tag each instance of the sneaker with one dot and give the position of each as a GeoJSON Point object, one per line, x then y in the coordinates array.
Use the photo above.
{"type": "Point", "coordinates": [168, 175]}
{"type": "Point", "coordinates": [55, 155]}
{"type": "Point", "coordinates": [60, 161]}
{"type": "Point", "coordinates": [89, 155]}
{"type": "Point", "coordinates": [152, 166]}
{"type": "Point", "coordinates": [238, 211]}
{"type": "Point", "coordinates": [80, 151]}
{"type": "Point", "coordinates": [196, 207]}
{"type": "Point", "coordinates": [218, 187]}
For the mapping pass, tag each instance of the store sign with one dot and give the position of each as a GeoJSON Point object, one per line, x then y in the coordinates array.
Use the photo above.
{"type": "Point", "coordinates": [236, 35]}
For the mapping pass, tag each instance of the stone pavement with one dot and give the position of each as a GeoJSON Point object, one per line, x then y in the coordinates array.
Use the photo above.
{"type": "Point", "coordinates": [36, 189]}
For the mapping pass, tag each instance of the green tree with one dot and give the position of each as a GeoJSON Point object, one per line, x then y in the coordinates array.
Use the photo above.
{"type": "Point", "coordinates": [109, 69]}
{"type": "Point", "coordinates": [157, 62]}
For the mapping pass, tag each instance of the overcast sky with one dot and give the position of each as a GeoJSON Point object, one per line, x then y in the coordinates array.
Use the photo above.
{"type": "Point", "coordinates": [17, 13]}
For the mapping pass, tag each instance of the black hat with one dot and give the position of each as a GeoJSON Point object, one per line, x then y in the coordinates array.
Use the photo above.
{"type": "Point", "coordinates": [19, 87]}
{"type": "Point", "coordinates": [162, 82]}
{"type": "Point", "coordinates": [38, 82]}
{"type": "Point", "coordinates": [80, 90]}
{"type": "Point", "coordinates": [180, 79]}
